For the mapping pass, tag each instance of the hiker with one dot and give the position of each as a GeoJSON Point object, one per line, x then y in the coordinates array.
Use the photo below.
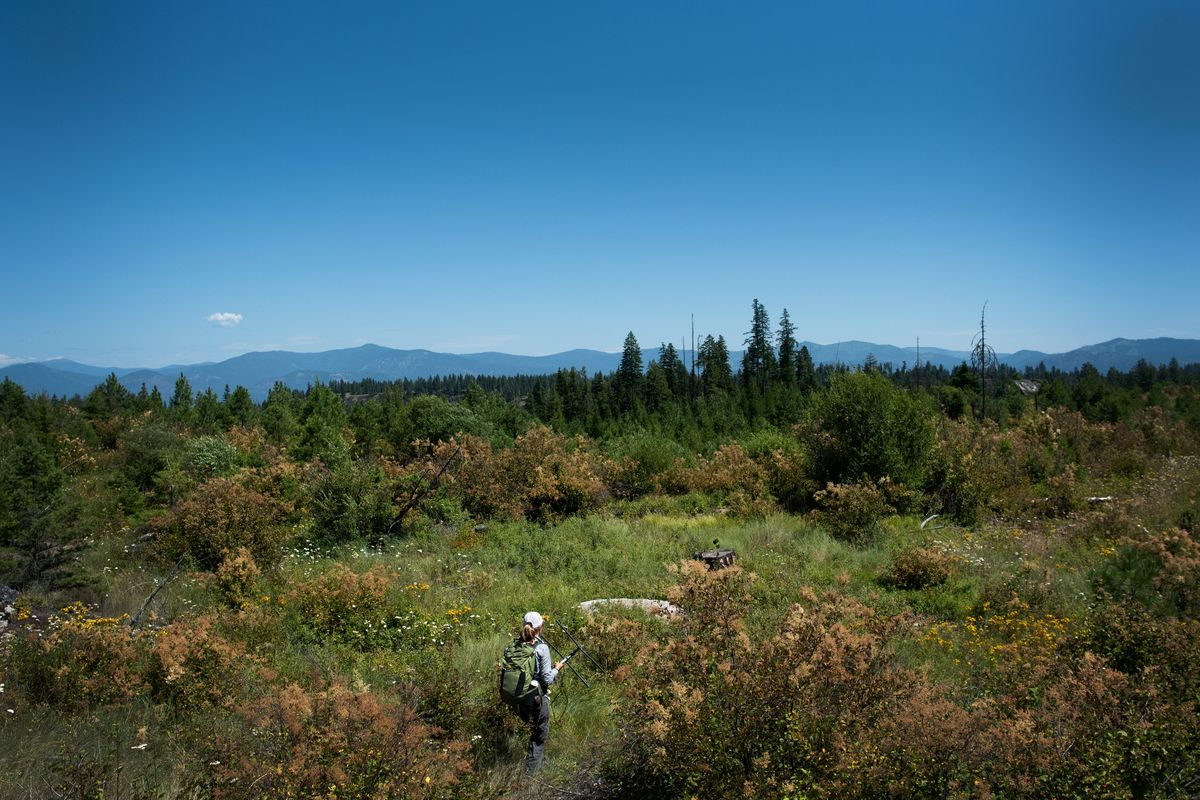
{"type": "Point", "coordinates": [525, 677]}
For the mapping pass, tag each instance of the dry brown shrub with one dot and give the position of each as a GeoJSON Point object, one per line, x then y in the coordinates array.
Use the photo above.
{"type": "Point", "coordinates": [976, 470]}
{"type": "Point", "coordinates": [852, 511]}
{"type": "Point", "coordinates": [610, 635]}
{"type": "Point", "coordinates": [339, 596]}
{"type": "Point", "coordinates": [249, 442]}
{"type": "Point", "coordinates": [556, 476]}
{"type": "Point", "coordinates": [787, 478]}
{"type": "Point", "coordinates": [785, 716]}
{"type": "Point", "coordinates": [728, 470]}
{"type": "Point", "coordinates": [1062, 493]}
{"type": "Point", "coordinates": [196, 665]}
{"type": "Point", "coordinates": [729, 474]}
{"type": "Point", "coordinates": [543, 476]}
{"type": "Point", "coordinates": [236, 577]}
{"type": "Point", "coordinates": [220, 517]}
{"type": "Point", "coordinates": [336, 740]}
{"type": "Point", "coordinates": [821, 709]}
{"type": "Point", "coordinates": [80, 662]}
{"type": "Point", "coordinates": [1177, 551]}
{"type": "Point", "coordinates": [919, 568]}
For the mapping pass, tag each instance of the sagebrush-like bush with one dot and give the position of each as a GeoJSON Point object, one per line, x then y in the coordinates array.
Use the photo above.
{"type": "Point", "coordinates": [210, 457]}
{"type": "Point", "coordinates": [711, 713]}
{"type": "Point", "coordinates": [235, 579]}
{"type": "Point", "coordinates": [728, 474]}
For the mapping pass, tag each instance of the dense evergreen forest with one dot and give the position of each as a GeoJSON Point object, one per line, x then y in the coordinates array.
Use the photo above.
{"type": "Point", "coordinates": [968, 583]}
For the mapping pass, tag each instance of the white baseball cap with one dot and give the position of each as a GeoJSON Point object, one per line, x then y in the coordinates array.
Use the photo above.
{"type": "Point", "coordinates": [533, 619]}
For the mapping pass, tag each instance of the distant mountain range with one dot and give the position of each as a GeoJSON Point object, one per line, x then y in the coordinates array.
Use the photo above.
{"type": "Point", "coordinates": [259, 371]}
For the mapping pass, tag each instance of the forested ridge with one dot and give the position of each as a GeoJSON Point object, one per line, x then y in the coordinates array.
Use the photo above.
{"type": "Point", "coordinates": [951, 583]}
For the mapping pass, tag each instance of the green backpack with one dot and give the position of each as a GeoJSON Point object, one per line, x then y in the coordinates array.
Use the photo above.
{"type": "Point", "coordinates": [518, 670]}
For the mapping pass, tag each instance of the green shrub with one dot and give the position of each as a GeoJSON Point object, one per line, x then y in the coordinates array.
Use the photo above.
{"type": "Point", "coordinates": [638, 461]}
{"type": "Point", "coordinates": [147, 450]}
{"type": "Point", "coordinates": [863, 427]}
{"type": "Point", "coordinates": [785, 465]}
{"type": "Point", "coordinates": [351, 501]}
{"type": "Point", "coordinates": [431, 420]}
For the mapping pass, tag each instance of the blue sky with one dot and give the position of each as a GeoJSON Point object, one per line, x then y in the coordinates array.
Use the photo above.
{"type": "Point", "coordinates": [534, 177]}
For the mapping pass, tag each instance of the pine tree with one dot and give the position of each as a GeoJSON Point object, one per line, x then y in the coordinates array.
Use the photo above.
{"type": "Point", "coordinates": [107, 399]}
{"type": "Point", "coordinates": [758, 361]}
{"type": "Point", "coordinates": [209, 418]}
{"type": "Point", "coordinates": [676, 373]}
{"type": "Point", "coordinates": [806, 376]}
{"type": "Point", "coordinates": [627, 383]}
{"type": "Point", "coordinates": [786, 339]}
{"type": "Point", "coordinates": [658, 391]}
{"type": "Point", "coordinates": [181, 401]}
{"type": "Point", "coordinates": [279, 415]}
{"type": "Point", "coordinates": [322, 418]}
{"type": "Point", "coordinates": [713, 357]}
{"type": "Point", "coordinates": [239, 408]}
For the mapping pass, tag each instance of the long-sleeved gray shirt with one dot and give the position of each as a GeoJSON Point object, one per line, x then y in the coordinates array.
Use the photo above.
{"type": "Point", "coordinates": [546, 673]}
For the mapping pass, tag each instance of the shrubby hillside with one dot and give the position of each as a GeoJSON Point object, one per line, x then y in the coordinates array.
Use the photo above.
{"type": "Point", "coordinates": [945, 586]}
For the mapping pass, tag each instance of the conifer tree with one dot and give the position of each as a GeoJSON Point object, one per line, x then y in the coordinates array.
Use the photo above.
{"type": "Point", "coordinates": [627, 383]}
{"type": "Point", "coordinates": [181, 401]}
{"type": "Point", "coordinates": [675, 371]}
{"type": "Point", "coordinates": [806, 376]}
{"type": "Point", "coordinates": [658, 392]}
{"type": "Point", "coordinates": [786, 340]}
{"type": "Point", "coordinates": [107, 399]}
{"type": "Point", "coordinates": [240, 407]}
{"type": "Point", "coordinates": [208, 412]}
{"type": "Point", "coordinates": [758, 361]}
{"type": "Point", "coordinates": [713, 358]}
{"type": "Point", "coordinates": [322, 418]}
{"type": "Point", "coordinates": [279, 414]}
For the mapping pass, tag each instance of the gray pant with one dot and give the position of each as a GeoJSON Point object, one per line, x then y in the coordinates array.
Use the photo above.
{"type": "Point", "coordinates": [537, 716]}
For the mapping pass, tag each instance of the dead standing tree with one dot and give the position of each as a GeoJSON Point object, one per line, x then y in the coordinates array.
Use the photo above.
{"type": "Point", "coordinates": [983, 360]}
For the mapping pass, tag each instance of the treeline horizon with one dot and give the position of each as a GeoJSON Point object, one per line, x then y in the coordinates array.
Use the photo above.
{"type": "Point", "coordinates": [694, 401]}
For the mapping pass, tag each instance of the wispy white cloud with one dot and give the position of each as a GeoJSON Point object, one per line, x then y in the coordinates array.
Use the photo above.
{"type": "Point", "coordinates": [226, 319]}
{"type": "Point", "coordinates": [5, 360]}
